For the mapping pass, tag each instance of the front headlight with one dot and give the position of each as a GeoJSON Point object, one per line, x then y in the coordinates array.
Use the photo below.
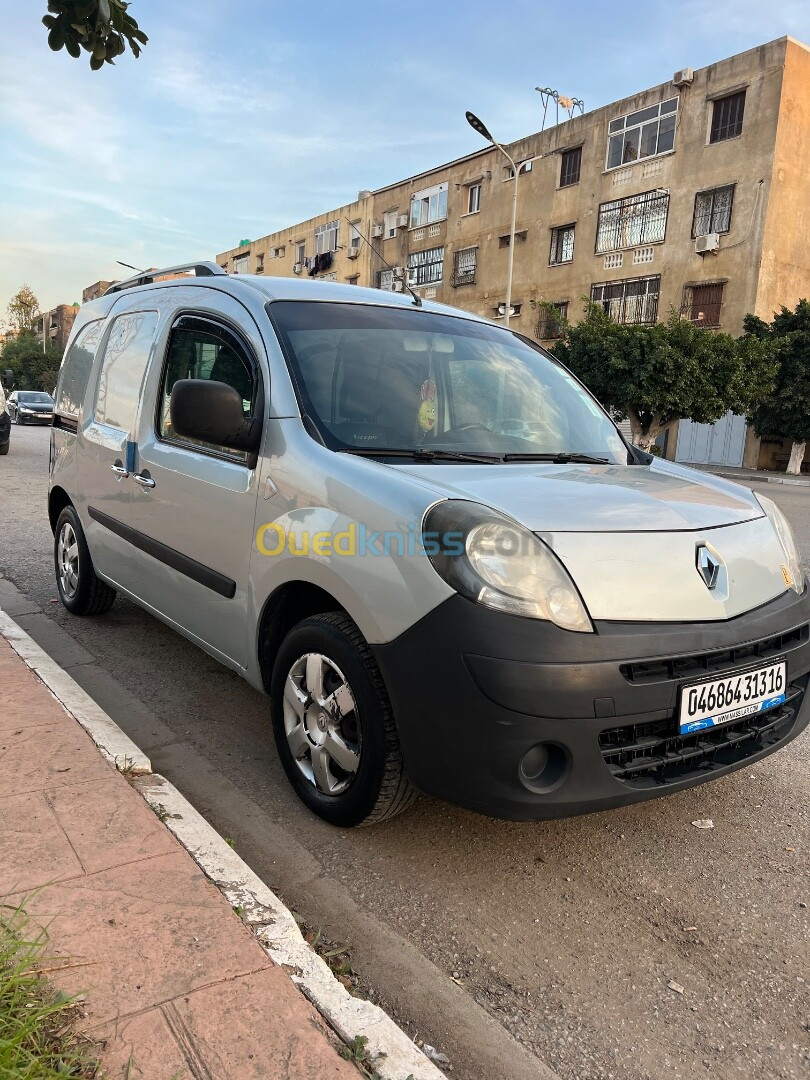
{"type": "Point", "coordinates": [786, 539]}
{"type": "Point", "coordinates": [492, 560]}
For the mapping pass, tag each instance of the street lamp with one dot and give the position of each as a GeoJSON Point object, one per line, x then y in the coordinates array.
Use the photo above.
{"type": "Point", "coordinates": [482, 129]}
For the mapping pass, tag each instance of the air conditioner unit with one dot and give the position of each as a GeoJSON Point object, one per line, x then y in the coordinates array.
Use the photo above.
{"type": "Point", "coordinates": [297, 268]}
{"type": "Point", "coordinates": [707, 243]}
{"type": "Point", "coordinates": [376, 230]}
{"type": "Point", "coordinates": [684, 77]}
{"type": "Point", "coordinates": [402, 221]}
{"type": "Point", "coordinates": [353, 251]}
{"type": "Point", "coordinates": [398, 286]}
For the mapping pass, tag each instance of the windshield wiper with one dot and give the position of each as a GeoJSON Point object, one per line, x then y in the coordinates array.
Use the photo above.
{"type": "Point", "coordinates": [562, 458]}
{"type": "Point", "coordinates": [421, 454]}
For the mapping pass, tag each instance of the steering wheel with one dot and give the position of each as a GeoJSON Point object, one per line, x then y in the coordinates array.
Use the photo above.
{"type": "Point", "coordinates": [468, 427]}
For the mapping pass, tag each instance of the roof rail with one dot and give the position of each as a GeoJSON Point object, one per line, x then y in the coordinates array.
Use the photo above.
{"type": "Point", "coordinates": [201, 269]}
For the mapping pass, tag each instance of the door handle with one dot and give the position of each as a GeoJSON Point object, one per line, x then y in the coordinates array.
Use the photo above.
{"type": "Point", "coordinates": [119, 469]}
{"type": "Point", "coordinates": [144, 479]}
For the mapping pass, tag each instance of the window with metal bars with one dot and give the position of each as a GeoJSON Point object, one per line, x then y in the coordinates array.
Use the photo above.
{"type": "Point", "coordinates": [633, 300]}
{"type": "Point", "coordinates": [551, 320]}
{"type": "Point", "coordinates": [385, 280]}
{"type": "Point", "coordinates": [727, 117]}
{"type": "Point", "coordinates": [425, 267]}
{"type": "Point", "coordinates": [632, 222]}
{"type": "Point", "coordinates": [702, 303]}
{"type": "Point", "coordinates": [562, 245]}
{"type": "Point", "coordinates": [570, 163]}
{"type": "Point", "coordinates": [465, 263]}
{"type": "Point", "coordinates": [713, 211]}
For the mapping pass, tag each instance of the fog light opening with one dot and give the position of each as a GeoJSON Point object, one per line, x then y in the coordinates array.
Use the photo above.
{"type": "Point", "coordinates": [543, 767]}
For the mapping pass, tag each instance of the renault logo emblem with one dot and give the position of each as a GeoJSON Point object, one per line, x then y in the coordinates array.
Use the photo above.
{"type": "Point", "coordinates": [708, 566]}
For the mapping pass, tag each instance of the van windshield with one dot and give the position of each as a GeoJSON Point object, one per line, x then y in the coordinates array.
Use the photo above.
{"type": "Point", "coordinates": [376, 379]}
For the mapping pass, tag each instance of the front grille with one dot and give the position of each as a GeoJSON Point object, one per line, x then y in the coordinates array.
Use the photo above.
{"type": "Point", "coordinates": [652, 754]}
{"type": "Point", "coordinates": [689, 667]}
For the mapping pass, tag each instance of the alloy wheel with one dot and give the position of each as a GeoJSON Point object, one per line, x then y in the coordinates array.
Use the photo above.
{"type": "Point", "coordinates": [67, 553]}
{"type": "Point", "coordinates": [320, 721]}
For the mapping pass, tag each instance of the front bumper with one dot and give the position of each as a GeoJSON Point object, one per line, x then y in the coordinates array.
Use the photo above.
{"type": "Point", "coordinates": [518, 719]}
{"type": "Point", "coordinates": [34, 417]}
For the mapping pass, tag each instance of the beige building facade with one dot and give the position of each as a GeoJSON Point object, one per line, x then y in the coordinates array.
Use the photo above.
{"type": "Point", "coordinates": [56, 324]}
{"type": "Point", "coordinates": [691, 196]}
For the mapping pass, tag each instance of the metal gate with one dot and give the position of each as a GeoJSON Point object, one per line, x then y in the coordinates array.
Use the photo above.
{"type": "Point", "coordinates": [712, 444]}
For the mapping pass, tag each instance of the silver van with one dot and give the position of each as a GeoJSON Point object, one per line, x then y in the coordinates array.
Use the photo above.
{"type": "Point", "coordinates": [426, 542]}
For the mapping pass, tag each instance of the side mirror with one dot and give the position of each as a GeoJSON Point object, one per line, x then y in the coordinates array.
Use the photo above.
{"type": "Point", "coordinates": [7, 378]}
{"type": "Point", "coordinates": [212, 412]}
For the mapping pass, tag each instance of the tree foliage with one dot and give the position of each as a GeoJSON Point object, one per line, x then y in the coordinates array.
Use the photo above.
{"type": "Point", "coordinates": [33, 369]}
{"type": "Point", "coordinates": [785, 413]}
{"type": "Point", "coordinates": [23, 310]}
{"type": "Point", "coordinates": [102, 28]}
{"type": "Point", "coordinates": [652, 375]}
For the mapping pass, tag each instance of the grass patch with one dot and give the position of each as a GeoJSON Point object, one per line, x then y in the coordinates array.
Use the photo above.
{"type": "Point", "coordinates": [38, 1038]}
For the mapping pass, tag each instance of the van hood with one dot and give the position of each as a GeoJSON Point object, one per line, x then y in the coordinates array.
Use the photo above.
{"type": "Point", "coordinates": [661, 497]}
{"type": "Point", "coordinates": [629, 535]}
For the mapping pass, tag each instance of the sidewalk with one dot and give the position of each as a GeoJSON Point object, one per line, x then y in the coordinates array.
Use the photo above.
{"type": "Point", "coordinates": [760, 476]}
{"type": "Point", "coordinates": [175, 983]}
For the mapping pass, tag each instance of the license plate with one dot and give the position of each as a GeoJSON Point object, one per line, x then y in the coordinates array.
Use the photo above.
{"type": "Point", "coordinates": [719, 701]}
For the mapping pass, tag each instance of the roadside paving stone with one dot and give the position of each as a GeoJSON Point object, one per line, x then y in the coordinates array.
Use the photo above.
{"type": "Point", "coordinates": [221, 1022]}
{"type": "Point", "coordinates": [21, 705]}
{"type": "Point", "coordinates": [33, 849]}
{"type": "Point", "coordinates": [106, 827]}
{"type": "Point", "coordinates": [49, 755]}
{"type": "Point", "coordinates": [142, 1047]}
{"type": "Point", "coordinates": [175, 986]}
{"type": "Point", "coordinates": [143, 933]}
{"type": "Point", "coordinates": [212, 1033]}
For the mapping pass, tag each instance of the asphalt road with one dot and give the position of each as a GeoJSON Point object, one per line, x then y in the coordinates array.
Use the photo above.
{"type": "Point", "coordinates": [493, 941]}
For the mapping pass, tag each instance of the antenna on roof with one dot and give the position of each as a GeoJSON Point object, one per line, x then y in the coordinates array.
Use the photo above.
{"type": "Point", "coordinates": [417, 299]}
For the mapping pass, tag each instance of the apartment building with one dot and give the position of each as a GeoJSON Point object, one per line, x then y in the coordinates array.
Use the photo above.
{"type": "Point", "coordinates": [94, 291]}
{"type": "Point", "coordinates": [56, 325]}
{"type": "Point", "coordinates": [693, 195]}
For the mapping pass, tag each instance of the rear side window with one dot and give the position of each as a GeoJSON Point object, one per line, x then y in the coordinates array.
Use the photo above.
{"type": "Point", "coordinates": [123, 368]}
{"type": "Point", "coordinates": [202, 349]}
{"type": "Point", "coordinates": [75, 373]}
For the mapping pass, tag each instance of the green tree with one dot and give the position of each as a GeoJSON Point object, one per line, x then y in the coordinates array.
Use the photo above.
{"type": "Point", "coordinates": [23, 310]}
{"type": "Point", "coordinates": [785, 413]}
{"type": "Point", "coordinates": [653, 375]}
{"type": "Point", "coordinates": [33, 369]}
{"type": "Point", "coordinates": [102, 28]}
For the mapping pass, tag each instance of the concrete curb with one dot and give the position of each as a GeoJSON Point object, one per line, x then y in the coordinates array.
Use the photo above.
{"type": "Point", "coordinates": [394, 1056]}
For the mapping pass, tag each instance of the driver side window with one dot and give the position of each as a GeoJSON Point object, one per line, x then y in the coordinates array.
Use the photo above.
{"type": "Point", "coordinates": [201, 349]}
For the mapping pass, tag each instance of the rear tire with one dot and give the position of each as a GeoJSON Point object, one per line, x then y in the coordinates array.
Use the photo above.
{"type": "Point", "coordinates": [4, 447]}
{"type": "Point", "coordinates": [80, 590]}
{"type": "Point", "coordinates": [334, 726]}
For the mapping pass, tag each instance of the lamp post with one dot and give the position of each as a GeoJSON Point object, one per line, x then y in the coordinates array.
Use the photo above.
{"type": "Point", "coordinates": [481, 128]}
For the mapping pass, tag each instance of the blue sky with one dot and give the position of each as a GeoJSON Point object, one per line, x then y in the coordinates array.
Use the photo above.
{"type": "Point", "coordinates": [241, 117]}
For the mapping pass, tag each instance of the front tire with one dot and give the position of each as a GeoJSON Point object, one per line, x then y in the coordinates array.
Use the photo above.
{"type": "Point", "coordinates": [334, 726]}
{"type": "Point", "coordinates": [4, 447]}
{"type": "Point", "coordinates": [80, 590]}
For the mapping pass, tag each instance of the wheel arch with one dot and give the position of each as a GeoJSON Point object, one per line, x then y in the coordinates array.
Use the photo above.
{"type": "Point", "coordinates": [287, 605]}
{"type": "Point", "coordinates": [58, 499]}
